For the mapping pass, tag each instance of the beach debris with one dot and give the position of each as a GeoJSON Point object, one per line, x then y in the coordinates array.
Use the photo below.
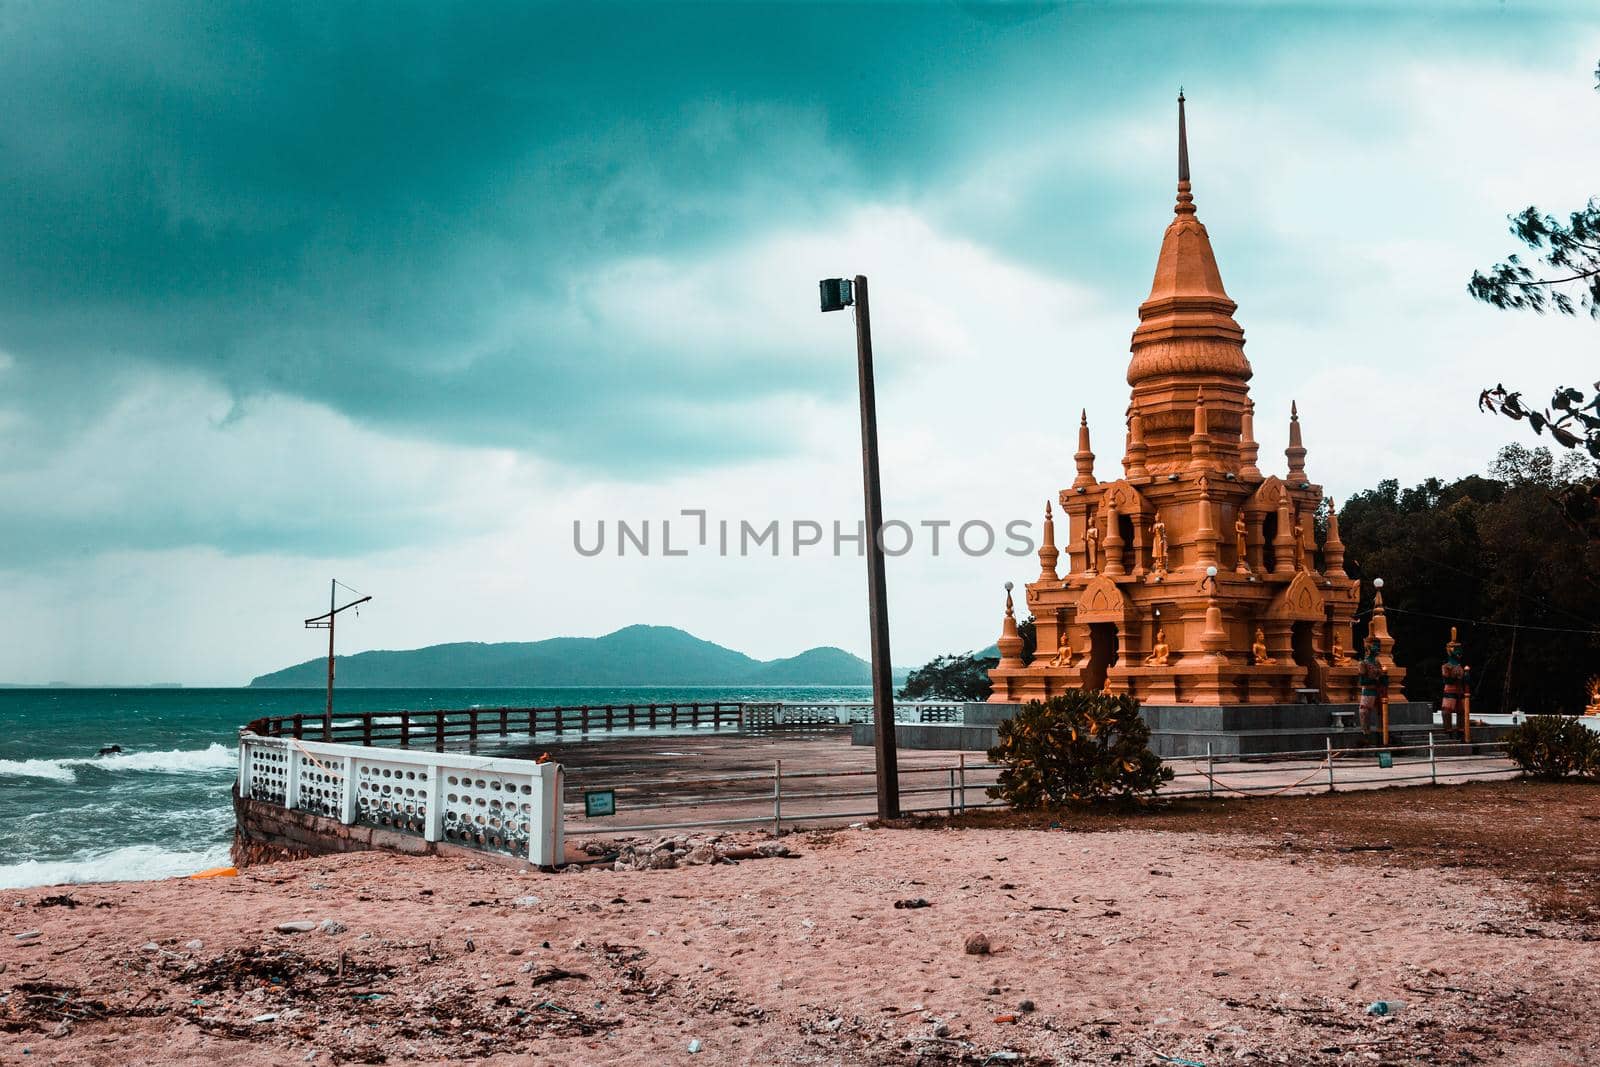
{"type": "Point", "coordinates": [555, 974]}
{"type": "Point", "coordinates": [694, 1045]}
{"type": "Point", "coordinates": [59, 900]}
{"type": "Point", "coordinates": [266, 1017]}
{"type": "Point", "coordinates": [1006, 1017]}
{"type": "Point", "coordinates": [978, 944]}
{"type": "Point", "coordinates": [526, 901]}
{"type": "Point", "coordinates": [1382, 1008]}
{"type": "Point", "coordinates": [914, 902]}
{"type": "Point", "coordinates": [296, 926]}
{"type": "Point", "coordinates": [29, 935]}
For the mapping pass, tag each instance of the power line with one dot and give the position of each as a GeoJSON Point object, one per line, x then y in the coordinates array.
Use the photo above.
{"type": "Point", "coordinates": [1486, 622]}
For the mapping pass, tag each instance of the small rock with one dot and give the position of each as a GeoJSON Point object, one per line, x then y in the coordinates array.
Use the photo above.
{"type": "Point", "coordinates": [296, 926]}
{"type": "Point", "coordinates": [1026, 1006]}
{"type": "Point", "coordinates": [150, 946]}
{"type": "Point", "coordinates": [470, 946]}
{"type": "Point", "coordinates": [941, 1029]}
{"type": "Point", "coordinates": [269, 1017]}
{"type": "Point", "coordinates": [332, 926]}
{"type": "Point", "coordinates": [694, 1045]}
{"type": "Point", "coordinates": [772, 848]}
{"type": "Point", "coordinates": [194, 946]}
{"type": "Point", "coordinates": [977, 944]}
{"type": "Point", "coordinates": [29, 935]}
{"type": "Point", "coordinates": [529, 901]}
{"type": "Point", "coordinates": [700, 854]}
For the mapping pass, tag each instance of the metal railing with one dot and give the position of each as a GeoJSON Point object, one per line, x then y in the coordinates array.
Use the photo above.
{"type": "Point", "coordinates": [439, 727]}
{"type": "Point", "coordinates": [773, 799]}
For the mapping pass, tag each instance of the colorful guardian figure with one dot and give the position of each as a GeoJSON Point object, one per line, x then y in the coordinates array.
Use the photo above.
{"type": "Point", "coordinates": [1457, 685]}
{"type": "Point", "coordinates": [1374, 680]}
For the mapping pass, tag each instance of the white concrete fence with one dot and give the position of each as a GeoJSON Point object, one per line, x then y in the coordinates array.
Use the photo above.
{"type": "Point", "coordinates": [510, 806]}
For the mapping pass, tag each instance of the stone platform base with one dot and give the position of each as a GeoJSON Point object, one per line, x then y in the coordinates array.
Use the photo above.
{"type": "Point", "coordinates": [1186, 729]}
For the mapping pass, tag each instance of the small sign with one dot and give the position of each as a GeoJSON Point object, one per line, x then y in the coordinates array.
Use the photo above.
{"type": "Point", "coordinates": [599, 802]}
{"type": "Point", "coordinates": [1386, 760]}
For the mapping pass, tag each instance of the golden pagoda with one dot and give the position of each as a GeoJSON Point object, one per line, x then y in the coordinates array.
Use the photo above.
{"type": "Point", "coordinates": [1194, 577]}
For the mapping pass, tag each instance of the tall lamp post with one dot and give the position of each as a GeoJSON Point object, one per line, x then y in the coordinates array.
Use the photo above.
{"type": "Point", "coordinates": [837, 294]}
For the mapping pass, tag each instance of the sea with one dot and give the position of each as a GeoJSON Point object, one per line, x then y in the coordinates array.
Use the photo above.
{"type": "Point", "coordinates": [160, 807]}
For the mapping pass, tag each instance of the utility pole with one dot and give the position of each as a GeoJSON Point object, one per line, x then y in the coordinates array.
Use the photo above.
{"type": "Point", "coordinates": [838, 293]}
{"type": "Point", "coordinates": [325, 622]}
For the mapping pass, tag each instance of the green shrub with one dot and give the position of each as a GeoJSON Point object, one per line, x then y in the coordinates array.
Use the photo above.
{"type": "Point", "coordinates": [1076, 748]}
{"type": "Point", "coordinates": [1554, 746]}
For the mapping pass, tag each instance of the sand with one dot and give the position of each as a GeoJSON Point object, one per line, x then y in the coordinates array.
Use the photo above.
{"type": "Point", "coordinates": [1254, 937]}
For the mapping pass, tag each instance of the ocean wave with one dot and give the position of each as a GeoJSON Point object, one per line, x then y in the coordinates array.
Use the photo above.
{"type": "Point", "coordinates": [213, 757]}
{"type": "Point", "coordinates": [131, 863]}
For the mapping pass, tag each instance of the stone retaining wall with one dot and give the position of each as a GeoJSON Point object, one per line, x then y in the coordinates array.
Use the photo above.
{"type": "Point", "coordinates": [267, 833]}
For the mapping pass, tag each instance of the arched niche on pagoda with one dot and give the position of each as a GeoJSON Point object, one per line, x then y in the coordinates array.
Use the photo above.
{"type": "Point", "coordinates": [1269, 518]}
{"type": "Point", "coordinates": [1299, 601]}
{"type": "Point", "coordinates": [1126, 516]}
{"type": "Point", "coordinates": [1108, 620]}
{"type": "Point", "coordinates": [1103, 601]}
{"type": "Point", "coordinates": [1267, 497]}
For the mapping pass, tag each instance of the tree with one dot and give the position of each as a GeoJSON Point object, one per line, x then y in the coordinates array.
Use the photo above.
{"type": "Point", "coordinates": [959, 677]}
{"type": "Point", "coordinates": [1491, 556]}
{"type": "Point", "coordinates": [1570, 252]}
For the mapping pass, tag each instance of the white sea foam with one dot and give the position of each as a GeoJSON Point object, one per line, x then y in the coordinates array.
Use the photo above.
{"type": "Point", "coordinates": [132, 863]}
{"type": "Point", "coordinates": [53, 769]}
{"type": "Point", "coordinates": [177, 761]}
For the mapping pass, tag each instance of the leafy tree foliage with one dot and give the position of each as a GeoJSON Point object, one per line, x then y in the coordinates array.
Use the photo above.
{"type": "Point", "coordinates": [962, 677]}
{"type": "Point", "coordinates": [1569, 282]}
{"type": "Point", "coordinates": [1076, 748]}
{"type": "Point", "coordinates": [1493, 549]}
{"type": "Point", "coordinates": [1553, 746]}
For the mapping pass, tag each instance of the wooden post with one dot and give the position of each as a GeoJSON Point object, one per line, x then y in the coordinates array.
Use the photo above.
{"type": "Point", "coordinates": [299, 727]}
{"type": "Point", "coordinates": [438, 731]}
{"type": "Point", "coordinates": [405, 729]}
{"type": "Point", "coordinates": [1466, 716]}
{"type": "Point", "coordinates": [366, 728]}
{"type": "Point", "coordinates": [777, 797]}
{"type": "Point", "coordinates": [585, 711]}
{"type": "Point", "coordinates": [1383, 704]}
{"type": "Point", "coordinates": [1329, 742]}
{"type": "Point", "coordinates": [963, 772]}
{"type": "Point", "coordinates": [1211, 773]}
{"type": "Point", "coordinates": [505, 721]}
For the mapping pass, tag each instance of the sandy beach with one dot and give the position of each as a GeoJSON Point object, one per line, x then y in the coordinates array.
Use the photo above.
{"type": "Point", "coordinates": [1242, 931]}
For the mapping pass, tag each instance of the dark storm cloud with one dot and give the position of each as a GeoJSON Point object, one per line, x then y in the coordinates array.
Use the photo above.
{"type": "Point", "coordinates": [397, 210]}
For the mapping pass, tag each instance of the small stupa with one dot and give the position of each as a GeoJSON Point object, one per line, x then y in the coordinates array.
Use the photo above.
{"type": "Point", "coordinates": [1193, 577]}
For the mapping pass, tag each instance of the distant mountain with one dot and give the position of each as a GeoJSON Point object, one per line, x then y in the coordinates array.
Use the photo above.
{"type": "Point", "coordinates": [815, 666]}
{"type": "Point", "coordinates": [634, 655]}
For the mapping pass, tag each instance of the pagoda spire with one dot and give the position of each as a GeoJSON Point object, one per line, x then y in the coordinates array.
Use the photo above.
{"type": "Point", "coordinates": [1332, 546]}
{"type": "Point", "coordinates": [1249, 449]}
{"type": "Point", "coordinates": [1137, 449]}
{"type": "Point", "coordinates": [1296, 452]}
{"type": "Point", "coordinates": [1186, 324]}
{"type": "Point", "coordinates": [1200, 440]}
{"type": "Point", "coordinates": [1010, 643]}
{"type": "Point", "coordinates": [1048, 553]}
{"type": "Point", "coordinates": [1084, 457]}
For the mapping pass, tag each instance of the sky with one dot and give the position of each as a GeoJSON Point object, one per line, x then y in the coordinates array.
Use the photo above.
{"type": "Point", "coordinates": [398, 293]}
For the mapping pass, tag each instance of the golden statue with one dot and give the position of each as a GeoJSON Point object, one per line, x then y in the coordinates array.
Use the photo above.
{"type": "Point", "coordinates": [1063, 656]}
{"type": "Point", "coordinates": [1594, 696]}
{"type": "Point", "coordinates": [1241, 544]}
{"type": "Point", "coordinates": [1259, 650]}
{"type": "Point", "coordinates": [1337, 656]}
{"type": "Point", "coordinates": [1161, 653]}
{"type": "Point", "coordinates": [1158, 547]}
